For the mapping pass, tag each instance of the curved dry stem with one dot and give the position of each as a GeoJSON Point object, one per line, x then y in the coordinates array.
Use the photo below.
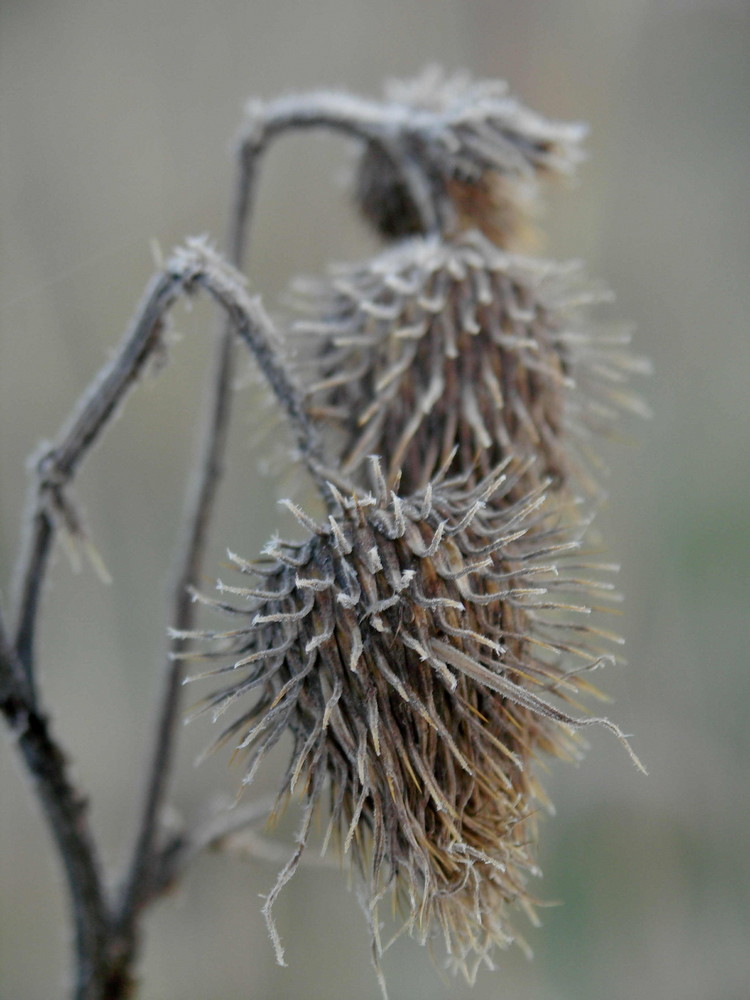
{"type": "Point", "coordinates": [194, 267]}
{"type": "Point", "coordinates": [355, 117]}
{"type": "Point", "coordinates": [48, 506]}
{"type": "Point", "coordinates": [200, 499]}
{"type": "Point", "coordinates": [248, 319]}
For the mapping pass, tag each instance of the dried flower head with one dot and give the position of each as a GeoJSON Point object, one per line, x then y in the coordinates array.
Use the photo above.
{"type": "Point", "coordinates": [439, 344]}
{"type": "Point", "coordinates": [479, 149]}
{"type": "Point", "coordinates": [411, 648]}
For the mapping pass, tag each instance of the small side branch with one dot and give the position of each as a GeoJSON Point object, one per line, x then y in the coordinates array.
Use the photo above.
{"type": "Point", "coordinates": [175, 857]}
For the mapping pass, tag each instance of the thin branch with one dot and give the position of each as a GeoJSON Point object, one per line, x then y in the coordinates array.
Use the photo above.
{"type": "Point", "coordinates": [248, 319]}
{"type": "Point", "coordinates": [176, 856]}
{"type": "Point", "coordinates": [47, 504]}
{"type": "Point", "coordinates": [66, 811]}
{"type": "Point", "coordinates": [254, 326]}
{"type": "Point", "coordinates": [49, 509]}
{"type": "Point", "coordinates": [327, 111]}
{"type": "Point", "coordinates": [367, 121]}
{"type": "Point", "coordinates": [203, 489]}
{"type": "Point", "coordinates": [191, 268]}
{"type": "Point", "coordinates": [200, 500]}
{"type": "Point", "coordinates": [143, 872]}
{"type": "Point", "coordinates": [13, 683]}
{"type": "Point", "coordinates": [226, 831]}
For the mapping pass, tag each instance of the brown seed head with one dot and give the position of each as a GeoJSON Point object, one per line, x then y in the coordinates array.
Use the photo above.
{"type": "Point", "coordinates": [480, 151]}
{"type": "Point", "coordinates": [411, 648]}
{"type": "Point", "coordinates": [438, 345]}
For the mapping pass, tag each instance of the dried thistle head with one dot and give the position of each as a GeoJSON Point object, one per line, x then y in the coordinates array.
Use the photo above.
{"type": "Point", "coordinates": [480, 151]}
{"type": "Point", "coordinates": [453, 347]}
{"type": "Point", "coordinates": [411, 647]}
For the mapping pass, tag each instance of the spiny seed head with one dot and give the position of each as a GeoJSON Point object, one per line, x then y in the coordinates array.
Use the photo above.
{"type": "Point", "coordinates": [411, 648]}
{"type": "Point", "coordinates": [479, 149]}
{"type": "Point", "coordinates": [439, 345]}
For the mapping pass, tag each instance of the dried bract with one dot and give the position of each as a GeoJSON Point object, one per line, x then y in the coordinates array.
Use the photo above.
{"type": "Point", "coordinates": [479, 149]}
{"type": "Point", "coordinates": [411, 648]}
{"type": "Point", "coordinates": [440, 346]}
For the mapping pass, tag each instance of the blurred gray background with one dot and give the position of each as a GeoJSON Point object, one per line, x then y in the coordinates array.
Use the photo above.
{"type": "Point", "coordinates": [115, 129]}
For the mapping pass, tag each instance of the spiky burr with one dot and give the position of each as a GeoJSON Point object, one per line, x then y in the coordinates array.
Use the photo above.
{"type": "Point", "coordinates": [415, 650]}
{"type": "Point", "coordinates": [453, 351]}
{"type": "Point", "coordinates": [479, 149]}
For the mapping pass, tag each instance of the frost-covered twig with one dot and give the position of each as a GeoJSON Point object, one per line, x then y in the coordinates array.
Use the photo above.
{"type": "Point", "coordinates": [105, 937]}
